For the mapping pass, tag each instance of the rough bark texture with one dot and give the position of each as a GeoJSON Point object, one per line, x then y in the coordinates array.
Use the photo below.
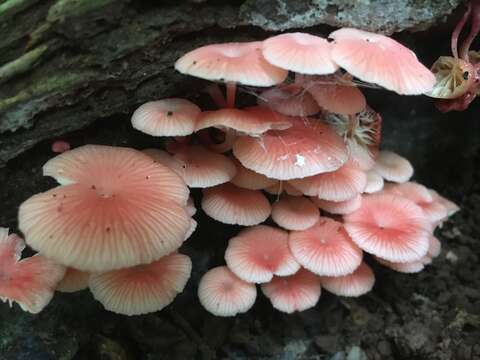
{"type": "Point", "coordinates": [66, 63]}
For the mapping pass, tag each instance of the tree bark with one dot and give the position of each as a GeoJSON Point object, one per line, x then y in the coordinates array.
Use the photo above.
{"type": "Point", "coordinates": [66, 63]}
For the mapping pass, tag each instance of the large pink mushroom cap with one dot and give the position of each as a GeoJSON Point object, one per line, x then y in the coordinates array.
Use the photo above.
{"type": "Point", "coordinates": [355, 284]}
{"type": "Point", "coordinates": [233, 62]}
{"type": "Point", "coordinates": [30, 282]}
{"type": "Point", "coordinates": [390, 227]}
{"type": "Point", "coordinates": [258, 253]}
{"type": "Point", "coordinates": [300, 52]}
{"type": "Point", "coordinates": [325, 249]}
{"type": "Point", "coordinates": [307, 148]}
{"type": "Point", "coordinates": [381, 60]}
{"type": "Point", "coordinates": [131, 212]}
{"type": "Point", "coordinates": [142, 289]}
{"type": "Point", "coordinates": [230, 204]}
{"type": "Point", "coordinates": [297, 292]}
{"type": "Point", "coordinates": [166, 117]}
{"type": "Point", "coordinates": [222, 293]}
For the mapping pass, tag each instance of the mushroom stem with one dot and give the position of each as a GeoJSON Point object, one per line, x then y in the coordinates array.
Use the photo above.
{"type": "Point", "coordinates": [216, 94]}
{"type": "Point", "coordinates": [474, 29]}
{"type": "Point", "coordinates": [458, 29]}
{"type": "Point", "coordinates": [231, 92]}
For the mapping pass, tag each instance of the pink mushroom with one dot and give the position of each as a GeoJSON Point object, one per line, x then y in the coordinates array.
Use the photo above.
{"type": "Point", "coordinates": [167, 117]}
{"type": "Point", "coordinates": [393, 167]}
{"type": "Point", "coordinates": [295, 213]}
{"type": "Point", "coordinates": [200, 167]}
{"type": "Point", "coordinates": [380, 60]}
{"type": "Point", "coordinates": [249, 179]}
{"type": "Point", "coordinates": [308, 148]}
{"type": "Point", "coordinates": [358, 283]}
{"type": "Point", "coordinates": [60, 146]}
{"type": "Point", "coordinates": [297, 292]}
{"type": "Point", "coordinates": [325, 249]}
{"type": "Point", "coordinates": [230, 204]}
{"type": "Point", "coordinates": [300, 52]}
{"type": "Point", "coordinates": [222, 293]}
{"type": "Point", "coordinates": [133, 211]}
{"type": "Point", "coordinates": [142, 289]}
{"type": "Point", "coordinates": [342, 184]}
{"type": "Point", "coordinates": [390, 227]}
{"type": "Point", "coordinates": [258, 253]}
{"type": "Point", "coordinates": [232, 63]}
{"type": "Point", "coordinates": [30, 282]}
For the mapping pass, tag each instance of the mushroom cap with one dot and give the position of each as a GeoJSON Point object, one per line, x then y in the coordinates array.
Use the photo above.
{"type": "Point", "coordinates": [295, 213]}
{"type": "Point", "coordinates": [339, 207]}
{"type": "Point", "coordinates": [325, 249]}
{"type": "Point", "coordinates": [232, 62]}
{"type": "Point", "coordinates": [167, 117]}
{"type": "Point", "coordinates": [222, 293]}
{"type": "Point", "coordinates": [258, 253]}
{"type": "Point", "coordinates": [381, 60]}
{"type": "Point", "coordinates": [374, 182]}
{"type": "Point", "coordinates": [297, 292]}
{"type": "Point", "coordinates": [60, 146]}
{"type": "Point", "coordinates": [409, 267]}
{"type": "Point", "coordinates": [307, 148]}
{"type": "Point", "coordinates": [434, 246]}
{"type": "Point", "coordinates": [142, 289]}
{"type": "Point", "coordinates": [393, 167]}
{"type": "Point", "coordinates": [289, 100]}
{"type": "Point", "coordinates": [300, 52]}
{"type": "Point", "coordinates": [358, 283]}
{"type": "Point", "coordinates": [110, 163]}
{"type": "Point", "coordinates": [230, 204]}
{"type": "Point", "coordinates": [74, 280]}
{"type": "Point", "coordinates": [340, 99]}
{"type": "Point", "coordinates": [30, 282]}
{"type": "Point", "coordinates": [200, 167]}
{"type": "Point", "coordinates": [255, 120]}
{"type": "Point", "coordinates": [451, 207]}
{"type": "Point", "coordinates": [249, 179]}
{"type": "Point", "coordinates": [420, 195]}
{"type": "Point", "coordinates": [389, 226]}
{"type": "Point", "coordinates": [131, 212]}
{"type": "Point", "coordinates": [342, 184]}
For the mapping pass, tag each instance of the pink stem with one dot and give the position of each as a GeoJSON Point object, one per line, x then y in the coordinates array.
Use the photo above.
{"type": "Point", "coordinates": [231, 92]}
{"type": "Point", "coordinates": [216, 94]}
{"type": "Point", "coordinates": [458, 29]}
{"type": "Point", "coordinates": [474, 29]}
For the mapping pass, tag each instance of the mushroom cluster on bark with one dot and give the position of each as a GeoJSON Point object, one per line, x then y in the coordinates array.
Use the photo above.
{"type": "Point", "coordinates": [307, 155]}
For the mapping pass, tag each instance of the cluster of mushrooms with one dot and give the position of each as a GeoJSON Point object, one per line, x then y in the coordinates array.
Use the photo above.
{"type": "Point", "coordinates": [307, 155]}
